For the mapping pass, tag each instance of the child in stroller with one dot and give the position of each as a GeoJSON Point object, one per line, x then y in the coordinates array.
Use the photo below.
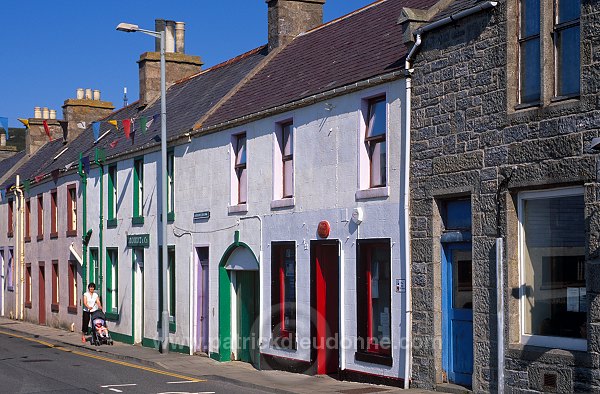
{"type": "Point", "coordinates": [100, 332]}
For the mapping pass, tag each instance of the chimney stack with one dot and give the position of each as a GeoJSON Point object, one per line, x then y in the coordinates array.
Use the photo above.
{"type": "Point", "coordinates": [86, 107]}
{"type": "Point", "coordinates": [35, 134]}
{"type": "Point", "coordinates": [289, 18]}
{"type": "Point", "coordinates": [178, 64]}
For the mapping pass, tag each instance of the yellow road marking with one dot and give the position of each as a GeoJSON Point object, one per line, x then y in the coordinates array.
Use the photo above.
{"type": "Point", "coordinates": [84, 354]}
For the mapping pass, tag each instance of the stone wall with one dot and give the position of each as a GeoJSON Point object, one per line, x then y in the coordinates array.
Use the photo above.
{"type": "Point", "coordinates": [467, 141]}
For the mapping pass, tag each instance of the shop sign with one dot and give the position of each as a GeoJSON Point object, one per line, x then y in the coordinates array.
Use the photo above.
{"type": "Point", "coordinates": [138, 240]}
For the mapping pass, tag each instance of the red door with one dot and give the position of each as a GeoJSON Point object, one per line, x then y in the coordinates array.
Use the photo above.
{"type": "Point", "coordinates": [325, 263]}
{"type": "Point", "coordinates": [42, 293]}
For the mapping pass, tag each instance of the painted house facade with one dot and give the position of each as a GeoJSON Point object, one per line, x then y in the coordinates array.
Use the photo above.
{"type": "Point", "coordinates": [504, 198]}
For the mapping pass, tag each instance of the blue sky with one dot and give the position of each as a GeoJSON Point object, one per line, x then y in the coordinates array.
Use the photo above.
{"type": "Point", "coordinates": [50, 48]}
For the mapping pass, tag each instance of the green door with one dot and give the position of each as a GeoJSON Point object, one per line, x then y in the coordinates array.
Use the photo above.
{"type": "Point", "coordinates": [247, 308]}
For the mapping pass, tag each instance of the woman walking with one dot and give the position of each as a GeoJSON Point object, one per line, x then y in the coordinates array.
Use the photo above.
{"type": "Point", "coordinates": [91, 303]}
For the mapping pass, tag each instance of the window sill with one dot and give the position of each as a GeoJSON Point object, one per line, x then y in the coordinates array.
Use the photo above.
{"type": "Point", "coordinates": [376, 192]}
{"type": "Point", "coordinates": [533, 104]}
{"type": "Point", "coordinates": [54, 308]}
{"type": "Point", "coordinates": [374, 358]}
{"type": "Point", "coordinates": [71, 233]}
{"type": "Point", "coordinates": [170, 217]}
{"type": "Point", "coordinates": [53, 235]}
{"type": "Point", "coordinates": [27, 239]}
{"type": "Point", "coordinates": [40, 238]}
{"type": "Point", "coordinates": [240, 208]}
{"type": "Point", "coordinates": [111, 223]}
{"type": "Point", "coordinates": [72, 310]}
{"type": "Point", "coordinates": [137, 220]}
{"type": "Point", "coordinates": [111, 316]}
{"type": "Point", "coordinates": [558, 99]}
{"type": "Point", "coordinates": [28, 305]}
{"type": "Point", "coordinates": [562, 343]}
{"type": "Point", "coordinates": [288, 202]}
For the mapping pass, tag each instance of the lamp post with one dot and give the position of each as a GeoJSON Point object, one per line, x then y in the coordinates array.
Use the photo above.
{"type": "Point", "coordinates": [131, 28]}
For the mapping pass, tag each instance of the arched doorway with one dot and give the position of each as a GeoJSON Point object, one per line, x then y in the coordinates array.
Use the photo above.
{"type": "Point", "coordinates": [239, 304]}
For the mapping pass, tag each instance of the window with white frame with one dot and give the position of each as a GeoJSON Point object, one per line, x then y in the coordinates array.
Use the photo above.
{"type": "Point", "coordinates": [552, 268]}
{"type": "Point", "coordinates": [373, 154]}
{"type": "Point", "coordinates": [241, 181]}
{"type": "Point", "coordinates": [171, 185]}
{"type": "Point", "coordinates": [71, 210]}
{"type": "Point", "coordinates": [283, 162]}
{"type": "Point", "coordinates": [112, 280]}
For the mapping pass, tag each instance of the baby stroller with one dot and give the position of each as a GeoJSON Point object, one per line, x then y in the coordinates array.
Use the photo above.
{"type": "Point", "coordinates": [100, 334]}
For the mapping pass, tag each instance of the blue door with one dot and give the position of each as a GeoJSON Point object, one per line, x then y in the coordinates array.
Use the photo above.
{"type": "Point", "coordinates": [458, 312]}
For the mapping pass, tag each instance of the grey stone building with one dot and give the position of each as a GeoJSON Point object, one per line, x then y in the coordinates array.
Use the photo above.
{"type": "Point", "coordinates": [504, 173]}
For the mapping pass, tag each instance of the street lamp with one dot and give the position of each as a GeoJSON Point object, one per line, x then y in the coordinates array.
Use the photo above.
{"type": "Point", "coordinates": [131, 28]}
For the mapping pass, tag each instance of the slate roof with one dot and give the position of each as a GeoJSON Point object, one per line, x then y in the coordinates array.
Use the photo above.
{"type": "Point", "coordinates": [38, 161]}
{"type": "Point", "coordinates": [10, 162]}
{"type": "Point", "coordinates": [187, 101]}
{"type": "Point", "coordinates": [363, 44]}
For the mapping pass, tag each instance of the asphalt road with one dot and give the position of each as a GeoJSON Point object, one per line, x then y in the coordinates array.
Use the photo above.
{"type": "Point", "coordinates": [30, 365]}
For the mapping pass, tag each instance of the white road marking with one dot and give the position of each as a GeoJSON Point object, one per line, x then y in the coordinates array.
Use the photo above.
{"type": "Point", "coordinates": [118, 385]}
{"type": "Point", "coordinates": [116, 390]}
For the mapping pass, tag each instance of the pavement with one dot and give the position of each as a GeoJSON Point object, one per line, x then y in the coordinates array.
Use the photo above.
{"type": "Point", "coordinates": [242, 374]}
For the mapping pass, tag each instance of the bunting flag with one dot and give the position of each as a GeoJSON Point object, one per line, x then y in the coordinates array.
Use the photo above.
{"type": "Point", "coordinates": [143, 124]}
{"type": "Point", "coordinates": [114, 143]}
{"type": "Point", "coordinates": [38, 178]}
{"type": "Point", "coordinates": [24, 121]}
{"type": "Point", "coordinates": [114, 123]}
{"type": "Point", "coordinates": [2, 194]}
{"type": "Point", "coordinates": [65, 128]}
{"type": "Point", "coordinates": [151, 120]}
{"type": "Point", "coordinates": [69, 165]}
{"type": "Point", "coordinates": [55, 175]}
{"type": "Point", "coordinates": [47, 129]}
{"type": "Point", "coordinates": [4, 124]}
{"type": "Point", "coordinates": [26, 185]}
{"type": "Point", "coordinates": [81, 125]}
{"type": "Point", "coordinates": [85, 162]}
{"type": "Point", "coordinates": [96, 129]}
{"type": "Point", "coordinates": [127, 127]}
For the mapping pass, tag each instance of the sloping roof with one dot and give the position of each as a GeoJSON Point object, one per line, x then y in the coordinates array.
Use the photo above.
{"type": "Point", "coordinates": [363, 44]}
{"type": "Point", "coordinates": [36, 162]}
{"type": "Point", "coordinates": [455, 7]}
{"type": "Point", "coordinates": [10, 162]}
{"type": "Point", "coordinates": [187, 101]}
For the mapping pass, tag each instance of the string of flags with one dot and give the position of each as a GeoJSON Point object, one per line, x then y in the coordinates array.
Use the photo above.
{"type": "Point", "coordinates": [127, 125]}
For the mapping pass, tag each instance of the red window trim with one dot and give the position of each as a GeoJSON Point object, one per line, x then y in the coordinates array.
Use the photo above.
{"type": "Point", "coordinates": [53, 213]}
{"type": "Point", "coordinates": [55, 291]}
{"type": "Point", "coordinates": [40, 215]}
{"type": "Point", "coordinates": [71, 232]}
{"type": "Point", "coordinates": [28, 220]}
{"type": "Point", "coordinates": [28, 286]}
{"type": "Point", "coordinates": [278, 326]}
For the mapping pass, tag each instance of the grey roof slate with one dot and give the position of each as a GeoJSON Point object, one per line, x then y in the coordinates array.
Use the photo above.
{"type": "Point", "coordinates": [10, 162]}
{"type": "Point", "coordinates": [36, 162]}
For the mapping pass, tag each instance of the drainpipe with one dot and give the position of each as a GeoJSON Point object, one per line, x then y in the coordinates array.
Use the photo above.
{"type": "Point", "coordinates": [408, 72]}
{"type": "Point", "coordinates": [83, 176]}
{"type": "Point", "coordinates": [191, 302]}
{"type": "Point", "coordinates": [20, 243]}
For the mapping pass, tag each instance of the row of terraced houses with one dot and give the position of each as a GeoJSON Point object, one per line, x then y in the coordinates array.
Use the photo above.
{"type": "Point", "coordinates": [406, 195]}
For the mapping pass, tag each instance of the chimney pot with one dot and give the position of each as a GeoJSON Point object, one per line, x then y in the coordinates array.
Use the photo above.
{"type": "Point", "coordinates": [96, 94]}
{"type": "Point", "coordinates": [37, 112]}
{"type": "Point", "coordinates": [79, 94]}
{"type": "Point", "coordinates": [159, 25]}
{"type": "Point", "coordinates": [170, 37]}
{"type": "Point", "coordinates": [45, 113]}
{"type": "Point", "coordinates": [52, 114]}
{"type": "Point", "coordinates": [180, 37]}
{"type": "Point", "coordinates": [88, 94]}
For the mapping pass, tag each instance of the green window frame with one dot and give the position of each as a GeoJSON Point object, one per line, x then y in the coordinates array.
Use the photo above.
{"type": "Point", "coordinates": [93, 267]}
{"type": "Point", "coordinates": [171, 286]}
{"type": "Point", "coordinates": [138, 191]}
{"type": "Point", "coordinates": [171, 186]}
{"type": "Point", "coordinates": [112, 283]}
{"type": "Point", "coordinates": [112, 196]}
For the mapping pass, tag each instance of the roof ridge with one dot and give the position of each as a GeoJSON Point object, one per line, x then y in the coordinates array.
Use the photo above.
{"type": "Point", "coordinates": [224, 63]}
{"type": "Point", "coordinates": [340, 18]}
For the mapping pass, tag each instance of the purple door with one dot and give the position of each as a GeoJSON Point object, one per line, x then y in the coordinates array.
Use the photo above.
{"type": "Point", "coordinates": [202, 300]}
